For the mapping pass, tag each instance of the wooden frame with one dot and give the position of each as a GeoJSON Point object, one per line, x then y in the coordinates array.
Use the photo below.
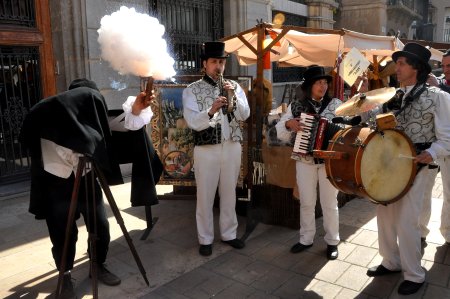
{"type": "Point", "coordinates": [41, 36]}
{"type": "Point", "coordinates": [173, 140]}
{"type": "Point", "coordinates": [171, 137]}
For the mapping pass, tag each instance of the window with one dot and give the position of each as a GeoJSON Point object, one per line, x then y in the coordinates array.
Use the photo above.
{"type": "Point", "coordinates": [188, 25]}
{"type": "Point", "coordinates": [288, 74]}
{"type": "Point", "coordinates": [17, 13]}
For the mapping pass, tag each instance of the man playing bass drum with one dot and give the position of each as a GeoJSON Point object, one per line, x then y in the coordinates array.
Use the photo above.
{"type": "Point", "coordinates": [423, 113]}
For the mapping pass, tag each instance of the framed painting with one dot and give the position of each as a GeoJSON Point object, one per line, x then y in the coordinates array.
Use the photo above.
{"type": "Point", "coordinates": [172, 138]}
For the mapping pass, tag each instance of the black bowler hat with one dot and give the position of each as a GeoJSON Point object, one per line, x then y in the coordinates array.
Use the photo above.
{"type": "Point", "coordinates": [83, 82]}
{"type": "Point", "coordinates": [314, 73]}
{"type": "Point", "coordinates": [415, 52]}
{"type": "Point", "coordinates": [213, 50]}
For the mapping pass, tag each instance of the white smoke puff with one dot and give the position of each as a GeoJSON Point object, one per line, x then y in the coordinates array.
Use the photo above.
{"type": "Point", "coordinates": [132, 43]}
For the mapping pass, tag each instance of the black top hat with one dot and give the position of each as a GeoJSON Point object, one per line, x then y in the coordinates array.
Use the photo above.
{"type": "Point", "coordinates": [314, 73]}
{"type": "Point", "coordinates": [214, 50]}
{"type": "Point", "coordinates": [83, 82]}
{"type": "Point", "coordinates": [415, 52]}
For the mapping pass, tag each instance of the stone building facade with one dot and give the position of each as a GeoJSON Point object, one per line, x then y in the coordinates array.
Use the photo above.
{"type": "Point", "coordinates": [410, 19]}
{"type": "Point", "coordinates": [63, 36]}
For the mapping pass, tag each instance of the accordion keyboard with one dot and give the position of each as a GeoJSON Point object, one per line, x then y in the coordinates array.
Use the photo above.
{"type": "Point", "coordinates": [304, 140]}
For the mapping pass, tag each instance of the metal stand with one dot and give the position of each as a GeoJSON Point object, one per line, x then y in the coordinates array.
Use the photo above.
{"type": "Point", "coordinates": [151, 221]}
{"type": "Point", "coordinates": [251, 223]}
{"type": "Point", "coordinates": [92, 235]}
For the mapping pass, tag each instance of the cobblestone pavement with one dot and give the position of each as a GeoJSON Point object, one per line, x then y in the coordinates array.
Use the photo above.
{"type": "Point", "coordinates": [263, 269]}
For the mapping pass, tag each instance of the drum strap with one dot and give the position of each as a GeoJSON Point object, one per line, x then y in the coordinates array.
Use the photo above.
{"type": "Point", "coordinates": [414, 94]}
{"type": "Point", "coordinates": [419, 147]}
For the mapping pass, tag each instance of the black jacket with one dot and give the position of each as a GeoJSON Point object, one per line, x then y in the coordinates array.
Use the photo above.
{"type": "Point", "coordinates": [76, 119]}
{"type": "Point", "coordinates": [136, 147]}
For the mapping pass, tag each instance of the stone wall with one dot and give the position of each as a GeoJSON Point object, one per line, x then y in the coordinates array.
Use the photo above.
{"type": "Point", "coordinates": [364, 16]}
{"type": "Point", "coordinates": [321, 13]}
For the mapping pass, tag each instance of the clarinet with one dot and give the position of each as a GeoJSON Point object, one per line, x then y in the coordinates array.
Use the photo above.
{"type": "Point", "coordinates": [228, 94]}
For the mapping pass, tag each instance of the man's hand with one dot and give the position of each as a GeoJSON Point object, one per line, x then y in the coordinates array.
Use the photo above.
{"type": "Point", "coordinates": [362, 83]}
{"type": "Point", "coordinates": [424, 157]}
{"type": "Point", "coordinates": [141, 102]}
{"type": "Point", "coordinates": [294, 124]}
{"type": "Point", "coordinates": [227, 85]}
{"type": "Point", "coordinates": [217, 104]}
{"type": "Point", "coordinates": [432, 80]}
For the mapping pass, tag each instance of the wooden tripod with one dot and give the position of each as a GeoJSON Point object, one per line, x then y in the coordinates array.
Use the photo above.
{"type": "Point", "coordinates": [97, 173]}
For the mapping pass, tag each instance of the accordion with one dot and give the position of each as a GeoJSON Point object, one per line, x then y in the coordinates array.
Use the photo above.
{"type": "Point", "coordinates": [317, 133]}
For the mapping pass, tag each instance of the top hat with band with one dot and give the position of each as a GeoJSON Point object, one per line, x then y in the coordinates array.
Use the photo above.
{"type": "Point", "coordinates": [214, 50]}
{"type": "Point", "coordinates": [314, 73]}
{"type": "Point", "coordinates": [415, 52]}
{"type": "Point", "coordinates": [83, 82]}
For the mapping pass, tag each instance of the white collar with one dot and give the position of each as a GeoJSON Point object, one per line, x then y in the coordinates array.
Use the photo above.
{"type": "Point", "coordinates": [407, 89]}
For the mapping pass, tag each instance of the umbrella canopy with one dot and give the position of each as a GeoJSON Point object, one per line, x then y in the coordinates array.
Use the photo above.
{"type": "Point", "coordinates": [311, 48]}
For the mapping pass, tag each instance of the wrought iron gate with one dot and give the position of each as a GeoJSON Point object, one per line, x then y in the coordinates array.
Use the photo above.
{"type": "Point", "coordinates": [189, 23]}
{"type": "Point", "coordinates": [19, 90]}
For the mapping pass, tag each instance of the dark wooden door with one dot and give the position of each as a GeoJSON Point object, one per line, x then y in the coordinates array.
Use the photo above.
{"type": "Point", "coordinates": [26, 76]}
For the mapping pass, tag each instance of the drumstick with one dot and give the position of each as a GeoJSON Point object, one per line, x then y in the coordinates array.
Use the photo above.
{"type": "Point", "coordinates": [359, 86]}
{"type": "Point", "coordinates": [406, 157]}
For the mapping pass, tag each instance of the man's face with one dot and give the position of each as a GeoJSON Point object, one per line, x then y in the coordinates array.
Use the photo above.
{"type": "Point", "coordinates": [406, 75]}
{"type": "Point", "coordinates": [319, 88]}
{"type": "Point", "coordinates": [213, 66]}
{"type": "Point", "coordinates": [446, 67]}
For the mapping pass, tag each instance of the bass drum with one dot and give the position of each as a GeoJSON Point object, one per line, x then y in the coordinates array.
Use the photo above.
{"type": "Point", "coordinates": [377, 164]}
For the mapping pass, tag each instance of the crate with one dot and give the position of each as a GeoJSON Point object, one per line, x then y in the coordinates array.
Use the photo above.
{"type": "Point", "coordinates": [275, 205]}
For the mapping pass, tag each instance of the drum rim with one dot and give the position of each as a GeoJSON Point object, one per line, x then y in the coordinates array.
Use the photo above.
{"type": "Point", "coordinates": [413, 168]}
{"type": "Point", "coordinates": [360, 189]}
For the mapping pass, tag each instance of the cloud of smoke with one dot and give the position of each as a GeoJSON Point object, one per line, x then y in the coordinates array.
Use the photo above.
{"type": "Point", "coordinates": [132, 43]}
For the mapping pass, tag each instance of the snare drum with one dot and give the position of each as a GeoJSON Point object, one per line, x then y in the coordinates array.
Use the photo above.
{"type": "Point", "coordinates": [377, 165]}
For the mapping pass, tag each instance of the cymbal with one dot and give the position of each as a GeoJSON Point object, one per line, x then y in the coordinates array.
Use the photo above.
{"type": "Point", "coordinates": [366, 101]}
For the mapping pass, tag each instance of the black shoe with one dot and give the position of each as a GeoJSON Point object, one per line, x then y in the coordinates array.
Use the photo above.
{"type": "Point", "coordinates": [409, 287]}
{"type": "Point", "coordinates": [332, 252]}
{"type": "Point", "coordinates": [380, 270]}
{"type": "Point", "coordinates": [205, 250]}
{"type": "Point", "coordinates": [106, 277]}
{"type": "Point", "coordinates": [235, 243]}
{"type": "Point", "coordinates": [299, 247]}
{"type": "Point", "coordinates": [67, 290]}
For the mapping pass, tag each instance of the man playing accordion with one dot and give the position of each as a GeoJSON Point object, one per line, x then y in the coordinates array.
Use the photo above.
{"type": "Point", "coordinates": [310, 171]}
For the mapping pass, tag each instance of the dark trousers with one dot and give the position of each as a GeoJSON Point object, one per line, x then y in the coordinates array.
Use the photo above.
{"type": "Point", "coordinates": [59, 194]}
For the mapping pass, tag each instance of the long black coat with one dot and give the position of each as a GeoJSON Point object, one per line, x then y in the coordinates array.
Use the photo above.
{"type": "Point", "coordinates": [76, 119]}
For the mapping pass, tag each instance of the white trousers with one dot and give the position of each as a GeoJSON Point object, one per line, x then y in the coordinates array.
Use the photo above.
{"type": "Point", "coordinates": [307, 177]}
{"type": "Point", "coordinates": [429, 177]}
{"type": "Point", "coordinates": [445, 212]}
{"type": "Point", "coordinates": [216, 165]}
{"type": "Point", "coordinates": [399, 232]}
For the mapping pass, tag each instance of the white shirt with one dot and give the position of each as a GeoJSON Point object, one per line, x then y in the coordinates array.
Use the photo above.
{"type": "Point", "coordinates": [197, 118]}
{"type": "Point", "coordinates": [413, 121]}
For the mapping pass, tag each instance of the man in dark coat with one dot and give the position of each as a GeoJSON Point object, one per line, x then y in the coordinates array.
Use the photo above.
{"type": "Point", "coordinates": [57, 131]}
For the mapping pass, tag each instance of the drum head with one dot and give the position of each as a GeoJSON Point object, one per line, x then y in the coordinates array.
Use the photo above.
{"type": "Point", "coordinates": [385, 173]}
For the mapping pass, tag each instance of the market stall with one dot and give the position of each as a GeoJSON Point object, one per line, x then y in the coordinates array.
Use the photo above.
{"type": "Point", "coordinates": [272, 189]}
